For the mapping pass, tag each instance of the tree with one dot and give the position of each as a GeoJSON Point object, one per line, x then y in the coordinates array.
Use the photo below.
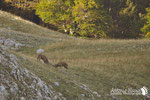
{"type": "Point", "coordinates": [127, 21]}
{"type": "Point", "coordinates": [77, 17]}
{"type": "Point", "coordinates": [91, 17]}
{"type": "Point", "coordinates": [146, 28]}
{"type": "Point", "coordinates": [57, 12]}
{"type": "Point", "coordinates": [127, 17]}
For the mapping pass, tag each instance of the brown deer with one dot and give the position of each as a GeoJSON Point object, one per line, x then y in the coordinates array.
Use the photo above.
{"type": "Point", "coordinates": [44, 58]}
{"type": "Point", "coordinates": [61, 64]}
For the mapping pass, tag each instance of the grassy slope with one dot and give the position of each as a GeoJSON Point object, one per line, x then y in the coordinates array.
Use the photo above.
{"type": "Point", "coordinates": [100, 64]}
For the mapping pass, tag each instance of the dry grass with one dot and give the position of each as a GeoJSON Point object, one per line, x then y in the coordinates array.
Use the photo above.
{"type": "Point", "coordinates": [102, 64]}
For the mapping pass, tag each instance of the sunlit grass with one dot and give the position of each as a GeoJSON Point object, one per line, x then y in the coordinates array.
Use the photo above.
{"type": "Point", "coordinates": [102, 64]}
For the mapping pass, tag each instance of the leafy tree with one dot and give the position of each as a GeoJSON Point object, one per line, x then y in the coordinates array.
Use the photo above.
{"type": "Point", "coordinates": [127, 17]}
{"type": "Point", "coordinates": [141, 5]}
{"type": "Point", "coordinates": [91, 17]}
{"type": "Point", "coordinates": [77, 17]}
{"type": "Point", "coordinates": [127, 21]}
{"type": "Point", "coordinates": [87, 18]}
{"type": "Point", "coordinates": [57, 12]}
{"type": "Point", "coordinates": [146, 28]}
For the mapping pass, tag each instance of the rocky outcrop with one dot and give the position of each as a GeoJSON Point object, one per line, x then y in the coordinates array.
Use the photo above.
{"type": "Point", "coordinates": [9, 43]}
{"type": "Point", "coordinates": [18, 83]}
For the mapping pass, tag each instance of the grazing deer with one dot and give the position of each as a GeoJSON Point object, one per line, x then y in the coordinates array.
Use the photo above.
{"type": "Point", "coordinates": [61, 64]}
{"type": "Point", "coordinates": [44, 58]}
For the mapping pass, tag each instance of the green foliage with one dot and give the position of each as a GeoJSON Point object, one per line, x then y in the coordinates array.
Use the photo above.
{"type": "Point", "coordinates": [146, 28]}
{"type": "Point", "coordinates": [23, 8]}
{"type": "Point", "coordinates": [128, 22]}
{"type": "Point", "coordinates": [23, 4]}
{"type": "Point", "coordinates": [147, 35]}
{"type": "Point", "coordinates": [129, 9]}
{"type": "Point", "coordinates": [86, 18]}
{"type": "Point", "coordinates": [56, 12]}
{"type": "Point", "coordinates": [78, 17]}
{"type": "Point", "coordinates": [127, 17]}
{"type": "Point", "coordinates": [91, 17]}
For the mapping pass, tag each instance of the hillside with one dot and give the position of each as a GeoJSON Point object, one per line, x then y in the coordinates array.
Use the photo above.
{"type": "Point", "coordinates": [95, 66]}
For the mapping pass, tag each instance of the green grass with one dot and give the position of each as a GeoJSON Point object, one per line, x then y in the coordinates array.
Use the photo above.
{"type": "Point", "coordinates": [100, 64]}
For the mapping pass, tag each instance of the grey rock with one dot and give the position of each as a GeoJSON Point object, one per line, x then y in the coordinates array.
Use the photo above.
{"type": "Point", "coordinates": [40, 51]}
{"type": "Point", "coordinates": [18, 81]}
{"type": "Point", "coordinates": [10, 43]}
{"type": "Point", "coordinates": [56, 83]}
{"type": "Point", "coordinates": [83, 95]}
{"type": "Point", "coordinates": [22, 98]}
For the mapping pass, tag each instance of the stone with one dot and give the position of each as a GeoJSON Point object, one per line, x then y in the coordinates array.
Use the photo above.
{"type": "Point", "coordinates": [40, 51]}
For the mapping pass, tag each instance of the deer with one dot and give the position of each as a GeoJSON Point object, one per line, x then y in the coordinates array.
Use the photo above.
{"type": "Point", "coordinates": [61, 64]}
{"type": "Point", "coordinates": [44, 58]}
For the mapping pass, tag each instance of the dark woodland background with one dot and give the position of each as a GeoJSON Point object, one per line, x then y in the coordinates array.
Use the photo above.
{"type": "Point", "coordinates": [127, 16]}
